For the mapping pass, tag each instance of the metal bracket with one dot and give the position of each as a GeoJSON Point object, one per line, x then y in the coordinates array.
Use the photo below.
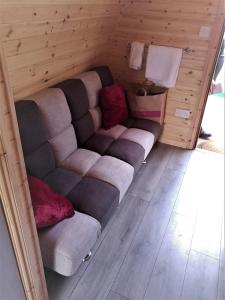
{"type": "Point", "coordinates": [87, 257]}
{"type": "Point", "coordinates": [144, 162]}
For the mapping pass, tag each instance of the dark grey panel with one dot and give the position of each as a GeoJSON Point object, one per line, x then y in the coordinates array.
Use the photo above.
{"type": "Point", "coordinates": [148, 125]}
{"type": "Point", "coordinates": [95, 198]}
{"type": "Point", "coordinates": [99, 143]}
{"type": "Point", "coordinates": [76, 96]}
{"type": "Point", "coordinates": [84, 129]}
{"type": "Point", "coordinates": [127, 151]}
{"type": "Point", "coordinates": [104, 74]}
{"type": "Point", "coordinates": [41, 161]}
{"type": "Point", "coordinates": [32, 130]}
{"type": "Point", "coordinates": [62, 181]}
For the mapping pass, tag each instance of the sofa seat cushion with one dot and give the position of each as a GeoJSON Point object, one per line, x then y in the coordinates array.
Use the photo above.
{"type": "Point", "coordinates": [127, 151]}
{"type": "Point", "coordinates": [141, 137]}
{"type": "Point", "coordinates": [95, 198]}
{"type": "Point", "coordinates": [113, 132]}
{"type": "Point", "coordinates": [49, 207]}
{"type": "Point", "coordinates": [62, 181]}
{"type": "Point", "coordinates": [64, 246]}
{"type": "Point", "coordinates": [98, 143]}
{"type": "Point", "coordinates": [148, 125]}
{"type": "Point", "coordinates": [80, 161]}
{"type": "Point", "coordinates": [114, 171]}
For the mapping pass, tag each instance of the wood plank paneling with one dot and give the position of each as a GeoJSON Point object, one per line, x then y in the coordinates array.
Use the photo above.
{"type": "Point", "coordinates": [176, 24]}
{"type": "Point", "coordinates": [48, 41]}
{"type": "Point", "coordinates": [15, 197]}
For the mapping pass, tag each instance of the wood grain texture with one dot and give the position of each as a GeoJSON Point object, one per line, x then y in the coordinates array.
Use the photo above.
{"type": "Point", "coordinates": [175, 24]}
{"type": "Point", "coordinates": [15, 195]}
{"type": "Point", "coordinates": [172, 260]}
{"type": "Point", "coordinates": [133, 277]}
{"type": "Point", "coordinates": [116, 296]}
{"type": "Point", "coordinates": [49, 41]}
{"type": "Point", "coordinates": [201, 277]}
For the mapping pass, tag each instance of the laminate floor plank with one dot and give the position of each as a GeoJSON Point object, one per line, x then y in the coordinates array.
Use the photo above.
{"type": "Point", "coordinates": [201, 277]}
{"type": "Point", "coordinates": [134, 275]}
{"type": "Point", "coordinates": [167, 278]}
{"type": "Point", "coordinates": [148, 177]}
{"type": "Point", "coordinates": [115, 296]}
{"type": "Point", "coordinates": [98, 277]}
{"type": "Point", "coordinates": [179, 159]}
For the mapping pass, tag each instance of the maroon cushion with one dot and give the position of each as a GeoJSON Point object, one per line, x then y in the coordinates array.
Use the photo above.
{"type": "Point", "coordinates": [113, 105]}
{"type": "Point", "coordinates": [49, 207]}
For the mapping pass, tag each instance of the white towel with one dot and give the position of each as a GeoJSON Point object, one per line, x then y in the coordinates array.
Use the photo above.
{"type": "Point", "coordinates": [136, 55]}
{"type": "Point", "coordinates": [163, 65]}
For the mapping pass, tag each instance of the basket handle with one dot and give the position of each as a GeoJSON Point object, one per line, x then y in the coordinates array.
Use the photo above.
{"type": "Point", "coordinates": [142, 90]}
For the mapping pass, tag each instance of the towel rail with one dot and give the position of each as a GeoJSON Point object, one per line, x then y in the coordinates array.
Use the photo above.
{"type": "Point", "coordinates": [186, 50]}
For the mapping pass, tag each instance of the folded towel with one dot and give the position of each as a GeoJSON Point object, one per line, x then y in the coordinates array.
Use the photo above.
{"type": "Point", "coordinates": [136, 55]}
{"type": "Point", "coordinates": [163, 65]}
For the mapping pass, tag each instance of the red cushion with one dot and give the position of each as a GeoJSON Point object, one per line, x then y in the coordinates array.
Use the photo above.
{"type": "Point", "coordinates": [49, 207]}
{"type": "Point", "coordinates": [113, 105]}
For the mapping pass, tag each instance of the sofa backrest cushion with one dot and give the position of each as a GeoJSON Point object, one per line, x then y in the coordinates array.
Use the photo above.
{"type": "Point", "coordinates": [77, 98]}
{"type": "Point", "coordinates": [57, 117]}
{"type": "Point", "coordinates": [105, 75]}
{"type": "Point", "coordinates": [38, 154]}
{"type": "Point", "coordinates": [93, 85]}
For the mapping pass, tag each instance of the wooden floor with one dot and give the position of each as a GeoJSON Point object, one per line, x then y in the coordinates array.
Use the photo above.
{"type": "Point", "coordinates": [165, 241]}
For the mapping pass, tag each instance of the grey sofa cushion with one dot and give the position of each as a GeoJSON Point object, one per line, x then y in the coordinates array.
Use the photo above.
{"type": "Point", "coordinates": [114, 171]}
{"type": "Point", "coordinates": [127, 151]}
{"type": "Point", "coordinates": [93, 86]}
{"type": "Point", "coordinates": [30, 121]}
{"type": "Point", "coordinates": [57, 118]}
{"type": "Point", "coordinates": [98, 143]}
{"type": "Point", "coordinates": [84, 128]}
{"type": "Point", "coordinates": [40, 162]}
{"type": "Point", "coordinates": [55, 110]}
{"type": "Point", "coordinates": [64, 245]}
{"type": "Point", "coordinates": [148, 125]}
{"type": "Point", "coordinates": [76, 95]}
{"type": "Point", "coordinates": [95, 198]}
{"type": "Point", "coordinates": [142, 137]}
{"type": "Point", "coordinates": [38, 154]}
{"type": "Point", "coordinates": [104, 74]}
{"type": "Point", "coordinates": [62, 181]}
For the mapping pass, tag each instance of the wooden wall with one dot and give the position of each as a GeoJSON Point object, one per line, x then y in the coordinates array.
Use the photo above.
{"type": "Point", "coordinates": [48, 41]}
{"type": "Point", "coordinates": [177, 24]}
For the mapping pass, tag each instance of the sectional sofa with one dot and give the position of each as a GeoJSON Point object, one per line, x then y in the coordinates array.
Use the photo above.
{"type": "Point", "coordinates": [65, 145]}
